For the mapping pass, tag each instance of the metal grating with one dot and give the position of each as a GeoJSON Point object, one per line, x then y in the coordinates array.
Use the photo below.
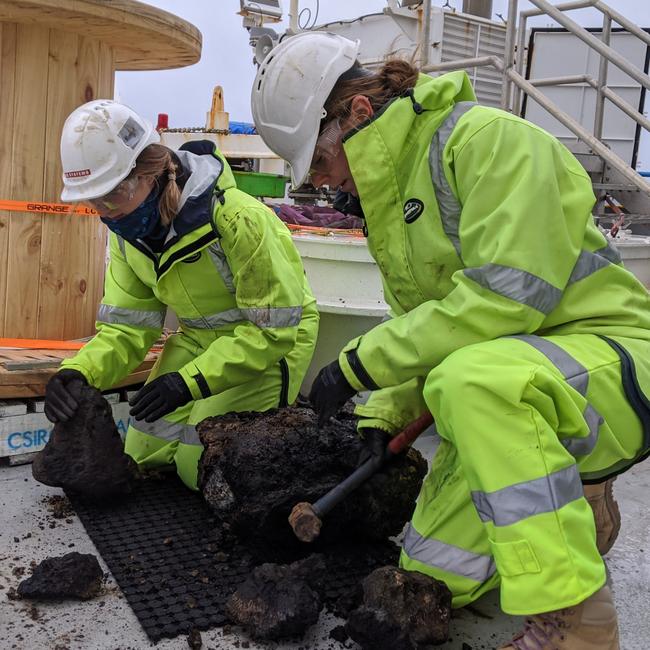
{"type": "Point", "coordinates": [463, 39]}
{"type": "Point", "coordinates": [161, 547]}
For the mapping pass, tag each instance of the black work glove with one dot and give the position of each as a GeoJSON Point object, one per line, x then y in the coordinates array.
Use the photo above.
{"type": "Point", "coordinates": [329, 392]}
{"type": "Point", "coordinates": [60, 405]}
{"type": "Point", "coordinates": [161, 396]}
{"type": "Point", "coordinates": [374, 443]}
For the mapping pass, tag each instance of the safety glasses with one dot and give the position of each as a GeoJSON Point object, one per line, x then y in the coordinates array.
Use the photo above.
{"type": "Point", "coordinates": [123, 193]}
{"type": "Point", "coordinates": [328, 147]}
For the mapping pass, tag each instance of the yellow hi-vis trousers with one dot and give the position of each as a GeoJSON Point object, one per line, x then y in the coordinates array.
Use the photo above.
{"type": "Point", "coordinates": [522, 420]}
{"type": "Point", "coordinates": [173, 439]}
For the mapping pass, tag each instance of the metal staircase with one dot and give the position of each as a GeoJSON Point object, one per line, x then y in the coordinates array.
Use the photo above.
{"type": "Point", "coordinates": [623, 195]}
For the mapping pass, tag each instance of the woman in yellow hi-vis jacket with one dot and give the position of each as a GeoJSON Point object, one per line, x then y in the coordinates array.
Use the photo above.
{"type": "Point", "coordinates": [512, 320]}
{"type": "Point", "coordinates": [182, 236]}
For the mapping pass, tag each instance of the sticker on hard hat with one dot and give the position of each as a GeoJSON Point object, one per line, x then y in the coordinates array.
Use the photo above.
{"type": "Point", "coordinates": [131, 133]}
{"type": "Point", "coordinates": [413, 208]}
{"type": "Point", "coordinates": [78, 173]}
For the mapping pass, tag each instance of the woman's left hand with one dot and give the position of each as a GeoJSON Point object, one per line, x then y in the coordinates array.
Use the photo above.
{"type": "Point", "coordinates": [329, 392]}
{"type": "Point", "coordinates": [160, 397]}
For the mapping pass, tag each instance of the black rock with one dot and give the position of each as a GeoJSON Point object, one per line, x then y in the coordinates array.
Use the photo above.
{"type": "Point", "coordinates": [278, 601]}
{"type": "Point", "coordinates": [75, 575]}
{"type": "Point", "coordinates": [256, 467]}
{"type": "Point", "coordinates": [85, 454]}
{"type": "Point", "coordinates": [401, 610]}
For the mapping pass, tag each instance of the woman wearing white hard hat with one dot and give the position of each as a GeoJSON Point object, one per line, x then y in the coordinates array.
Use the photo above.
{"type": "Point", "coordinates": [512, 321]}
{"type": "Point", "coordinates": [184, 237]}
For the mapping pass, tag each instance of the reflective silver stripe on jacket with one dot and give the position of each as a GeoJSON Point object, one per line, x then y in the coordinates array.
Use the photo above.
{"type": "Point", "coordinates": [169, 431]}
{"type": "Point", "coordinates": [515, 284]}
{"type": "Point", "coordinates": [610, 252]}
{"type": "Point", "coordinates": [121, 245]}
{"type": "Point", "coordinates": [447, 557]}
{"type": "Point", "coordinates": [522, 500]}
{"type": "Point", "coordinates": [589, 263]}
{"type": "Point", "coordinates": [448, 204]}
{"type": "Point", "coordinates": [218, 257]}
{"type": "Point", "coordinates": [577, 376]}
{"type": "Point", "coordinates": [133, 317]}
{"type": "Point", "coordinates": [160, 429]}
{"type": "Point", "coordinates": [190, 436]}
{"type": "Point", "coordinates": [260, 316]}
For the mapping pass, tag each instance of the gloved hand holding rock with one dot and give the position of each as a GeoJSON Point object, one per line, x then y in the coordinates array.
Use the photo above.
{"type": "Point", "coordinates": [60, 405]}
{"type": "Point", "coordinates": [329, 392]}
{"type": "Point", "coordinates": [374, 443]}
{"type": "Point", "coordinates": [160, 397]}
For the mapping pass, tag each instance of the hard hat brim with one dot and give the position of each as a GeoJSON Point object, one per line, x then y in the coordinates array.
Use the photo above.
{"type": "Point", "coordinates": [301, 165]}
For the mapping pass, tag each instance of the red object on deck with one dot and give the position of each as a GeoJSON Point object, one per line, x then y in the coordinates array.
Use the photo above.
{"type": "Point", "coordinates": [163, 121]}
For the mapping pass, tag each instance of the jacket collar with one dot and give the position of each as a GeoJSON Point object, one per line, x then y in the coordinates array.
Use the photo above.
{"type": "Point", "coordinates": [396, 130]}
{"type": "Point", "coordinates": [195, 206]}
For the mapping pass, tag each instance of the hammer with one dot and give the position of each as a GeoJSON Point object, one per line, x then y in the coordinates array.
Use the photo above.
{"type": "Point", "coordinates": [306, 518]}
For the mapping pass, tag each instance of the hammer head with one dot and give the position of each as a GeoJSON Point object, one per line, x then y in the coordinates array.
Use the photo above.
{"type": "Point", "coordinates": [305, 522]}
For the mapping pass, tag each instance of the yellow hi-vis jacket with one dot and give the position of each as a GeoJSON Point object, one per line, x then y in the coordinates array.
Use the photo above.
{"type": "Point", "coordinates": [230, 272]}
{"type": "Point", "coordinates": [481, 225]}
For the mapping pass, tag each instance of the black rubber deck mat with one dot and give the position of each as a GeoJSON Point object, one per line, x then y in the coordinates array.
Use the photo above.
{"type": "Point", "coordinates": [161, 547]}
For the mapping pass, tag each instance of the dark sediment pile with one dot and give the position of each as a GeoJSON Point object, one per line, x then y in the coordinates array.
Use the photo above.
{"type": "Point", "coordinates": [85, 454]}
{"type": "Point", "coordinates": [279, 601]}
{"type": "Point", "coordinates": [400, 610]}
{"type": "Point", "coordinates": [74, 575]}
{"type": "Point", "coordinates": [256, 467]}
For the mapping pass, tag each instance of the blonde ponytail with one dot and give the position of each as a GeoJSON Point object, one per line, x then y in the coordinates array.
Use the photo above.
{"type": "Point", "coordinates": [156, 161]}
{"type": "Point", "coordinates": [171, 194]}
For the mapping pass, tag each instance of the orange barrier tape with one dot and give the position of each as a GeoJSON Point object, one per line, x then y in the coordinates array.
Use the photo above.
{"type": "Point", "coordinates": [321, 230]}
{"type": "Point", "coordinates": [41, 344]}
{"type": "Point", "coordinates": [44, 207]}
{"type": "Point", "coordinates": [47, 344]}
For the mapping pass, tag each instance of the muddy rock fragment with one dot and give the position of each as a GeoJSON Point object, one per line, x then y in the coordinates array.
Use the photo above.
{"type": "Point", "coordinates": [85, 454]}
{"type": "Point", "coordinates": [279, 601]}
{"type": "Point", "coordinates": [256, 466]}
{"type": "Point", "coordinates": [400, 610]}
{"type": "Point", "coordinates": [194, 640]}
{"type": "Point", "coordinates": [74, 575]}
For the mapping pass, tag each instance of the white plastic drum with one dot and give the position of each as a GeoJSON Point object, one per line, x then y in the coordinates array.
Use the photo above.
{"type": "Point", "coordinates": [347, 286]}
{"type": "Point", "coordinates": [635, 253]}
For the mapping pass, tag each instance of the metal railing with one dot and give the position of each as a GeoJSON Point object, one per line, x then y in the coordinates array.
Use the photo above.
{"type": "Point", "coordinates": [512, 68]}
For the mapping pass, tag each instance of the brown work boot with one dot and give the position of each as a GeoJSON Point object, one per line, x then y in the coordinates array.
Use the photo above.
{"type": "Point", "coordinates": [606, 513]}
{"type": "Point", "coordinates": [590, 625]}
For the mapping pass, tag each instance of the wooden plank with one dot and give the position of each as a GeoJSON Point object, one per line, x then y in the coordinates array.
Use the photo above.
{"type": "Point", "coordinates": [30, 364]}
{"type": "Point", "coordinates": [22, 390]}
{"type": "Point", "coordinates": [31, 359]}
{"type": "Point", "coordinates": [73, 251]}
{"type": "Point", "coordinates": [106, 76]}
{"type": "Point", "coordinates": [31, 383]}
{"type": "Point", "coordinates": [28, 160]}
{"type": "Point", "coordinates": [17, 355]}
{"type": "Point", "coordinates": [9, 355]}
{"type": "Point", "coordinates": [58, 258]}
{"type": "Point", "coordinates": [7, 84]}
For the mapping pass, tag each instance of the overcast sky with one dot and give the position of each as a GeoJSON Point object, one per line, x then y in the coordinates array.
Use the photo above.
{"type": "Point", "coordinates": [227, 59]}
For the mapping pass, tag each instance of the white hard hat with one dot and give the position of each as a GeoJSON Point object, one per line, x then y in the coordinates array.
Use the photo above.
{"type": "Point", "coordinates": [290, 90]}
{"type": "Point", "coordinates": [99, 146]}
